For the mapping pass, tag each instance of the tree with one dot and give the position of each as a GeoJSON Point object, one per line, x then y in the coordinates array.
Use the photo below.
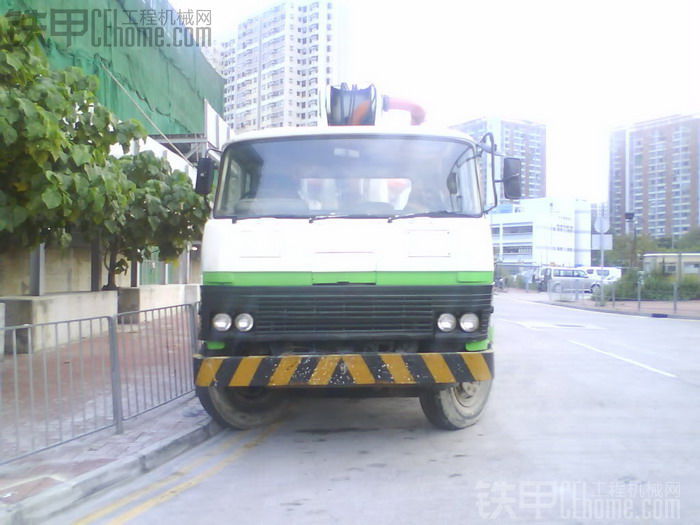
{"type": "Point", "coordinates": [162, 211]}
{"type": "Point", "coordinates": [628, 249]}
{"type": "Point", "coordinates": [55, 140]}
{"type": "Point", "coordinates": [690, 241]}
{"type": "Point", "coordinates": [57, 176]}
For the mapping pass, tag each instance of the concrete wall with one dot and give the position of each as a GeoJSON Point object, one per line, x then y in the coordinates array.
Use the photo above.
{"type": "Point", "coordinates": [14, 273]}
{"type": "Point", "coordinates": [58, 308]}
{"type": "Point", "coordinates": [67, 270]}
{"type": "Point", "coordinates": [55, 308]}
{"type": "Point", "coordinates": [157, 296]}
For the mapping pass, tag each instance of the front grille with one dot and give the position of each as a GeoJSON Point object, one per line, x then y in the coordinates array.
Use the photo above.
{"type": "Point", "coordinates": [348, 309]}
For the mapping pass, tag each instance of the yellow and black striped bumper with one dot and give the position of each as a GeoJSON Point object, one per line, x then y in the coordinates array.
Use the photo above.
{"type": "Point", "coordinates": [344, 369]}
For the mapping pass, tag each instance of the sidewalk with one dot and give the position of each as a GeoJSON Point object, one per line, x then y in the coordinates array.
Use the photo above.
{"type": "Point", "coordinates": [136, 371]}
{"type": "Point", "coordinates": [38, 486]}
{"type": "Point", "coordinates": [685, 309]}
{"type": "Point", "coordinates": [64, 391]}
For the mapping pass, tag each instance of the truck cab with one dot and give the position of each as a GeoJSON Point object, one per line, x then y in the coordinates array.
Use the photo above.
{"type": "Point", "coordinates": [349, 257]}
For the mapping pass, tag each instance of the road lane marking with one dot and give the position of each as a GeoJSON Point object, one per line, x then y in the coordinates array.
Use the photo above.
{"type": "Point", "coordinates": [626, 360]}
{"type": "Point", "coordinates": [104, 511]}
{"type": "Point", "coordinates": [539, 325]}
{"type": "Point", "coordinates": [182, 487]}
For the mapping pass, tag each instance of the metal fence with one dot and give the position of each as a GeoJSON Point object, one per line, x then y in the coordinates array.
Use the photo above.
{"type": "Point", "coordinates": [641, 296]}
{"type": "Point", "coordinates": [63, 380]}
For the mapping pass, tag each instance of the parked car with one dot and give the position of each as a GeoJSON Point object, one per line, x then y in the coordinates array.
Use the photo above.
{"type": "Point", "coordinates": [555, 273]}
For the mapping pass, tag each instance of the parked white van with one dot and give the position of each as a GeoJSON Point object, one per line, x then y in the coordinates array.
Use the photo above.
{"type": "Point", "coordinates": [574, 277]}
{"type": "Point", "coordinates": [602, 275]}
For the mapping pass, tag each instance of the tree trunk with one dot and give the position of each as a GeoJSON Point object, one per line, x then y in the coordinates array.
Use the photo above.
{"type": "Point", "coordinates": [134, 269]}
{"type": "Point", "coordinates": [111, 271]}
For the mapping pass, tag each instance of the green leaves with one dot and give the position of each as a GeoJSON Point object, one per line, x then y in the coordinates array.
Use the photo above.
{"type": "Point", "coordinates": [161, 210]}
{"type": "Point", "coordinates": [56, 172]}
{"type": "Point", "coordinates": [7, 132]}
{"type": "Point", "coordinates": [55, 139]}
{"type": "Point", "coordinates": [52, 197]}
{"type": "Point", "coordinates": [81, 155]}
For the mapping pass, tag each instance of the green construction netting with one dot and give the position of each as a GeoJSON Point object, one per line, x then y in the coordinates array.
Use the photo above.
{"type": "Point", "coordinates": [168, 83]}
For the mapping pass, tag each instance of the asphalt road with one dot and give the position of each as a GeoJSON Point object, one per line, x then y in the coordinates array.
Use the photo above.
{"type": "Point", "coordinates": [593, 417]}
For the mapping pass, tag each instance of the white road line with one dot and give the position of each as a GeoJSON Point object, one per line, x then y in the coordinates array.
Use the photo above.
{"type": "Point", "coordinates": [561, 307]}
{"type": "Point", "coordinates": [630, 361]}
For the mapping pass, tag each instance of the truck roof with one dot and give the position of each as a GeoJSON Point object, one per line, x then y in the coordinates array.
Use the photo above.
{"type": "Point", "coordinates": [320, 131]}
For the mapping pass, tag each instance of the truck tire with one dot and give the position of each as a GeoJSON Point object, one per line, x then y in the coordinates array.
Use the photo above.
{"type": "Point", "coordinates": [455, 407]}
{"type": "Point", "coordinates": [242, 408]}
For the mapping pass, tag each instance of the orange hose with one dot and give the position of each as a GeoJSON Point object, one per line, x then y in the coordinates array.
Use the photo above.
{"type": "Point", "coordinates": [417, 112]}
{"type": "Point", "coordinates": [359, 113]}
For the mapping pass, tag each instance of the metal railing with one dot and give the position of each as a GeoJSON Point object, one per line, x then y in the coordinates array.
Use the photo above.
{"type": "Point", "coordinates": [63, 380]}
{"type": "Point", "coordinates": [635, 297]}
{"type": "Point", "coordinates": [567, 289]}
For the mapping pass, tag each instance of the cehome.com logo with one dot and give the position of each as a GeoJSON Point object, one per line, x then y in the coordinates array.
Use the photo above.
{"type": "Point", "coordinates": [123, 28]}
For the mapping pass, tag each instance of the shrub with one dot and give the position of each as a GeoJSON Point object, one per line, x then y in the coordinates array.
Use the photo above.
{"type": "Point", "coordinates": [689, 287]}
{"type": "Point", "coordinates": [657, 287]}
{"type": "Point", "coordinates": [626, 287]}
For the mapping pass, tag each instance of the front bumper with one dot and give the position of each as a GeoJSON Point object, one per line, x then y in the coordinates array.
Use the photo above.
{"type": "Point", "coordinates": [337, 370]}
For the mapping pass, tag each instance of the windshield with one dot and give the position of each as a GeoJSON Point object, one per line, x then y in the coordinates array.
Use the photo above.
{"type": "Point", "coordinates": [372, 176]}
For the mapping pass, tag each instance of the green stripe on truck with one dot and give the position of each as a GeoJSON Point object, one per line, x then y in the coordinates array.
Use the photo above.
{"type": "Point", "coordinates": [378, 278]}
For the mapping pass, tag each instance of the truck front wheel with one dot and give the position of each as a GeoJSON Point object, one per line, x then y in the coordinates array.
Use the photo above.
{"type": "Point", "coordinates": [242, 408]}
{"type": "Point", "coordinates": [456, 407]}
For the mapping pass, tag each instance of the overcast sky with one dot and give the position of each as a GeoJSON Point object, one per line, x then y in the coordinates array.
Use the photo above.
{"type": "Point", "coordinates": [580, 67]}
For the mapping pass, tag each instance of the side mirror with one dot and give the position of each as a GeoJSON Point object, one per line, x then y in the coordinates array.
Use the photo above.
{"type": "Point", "coordinates": [511, 178]}
{"type": "Point", "coordinates": [205, 176]}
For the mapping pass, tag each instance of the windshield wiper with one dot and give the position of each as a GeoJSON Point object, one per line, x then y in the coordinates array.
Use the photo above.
{"type": "Point", "coordinates": [344, 216]}
{"type": "Point", "coordinates": [236, 218]}
{"type": "Point", "coordinates": [435, 213]}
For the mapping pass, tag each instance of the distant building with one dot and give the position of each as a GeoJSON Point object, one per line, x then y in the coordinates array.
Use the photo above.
{"type": "Point", "coordinates": [678, 264]}
{"type": "Point", "coordinates": [654, 168]}
{"type": "Point", "coordinates": [544, 231]}
{"type": "Point", "coordinates": [517, 138]}
{"type": "Point", "coordinates": [214, 53]}
{"type": "Point", "coordinates": [278, 64]}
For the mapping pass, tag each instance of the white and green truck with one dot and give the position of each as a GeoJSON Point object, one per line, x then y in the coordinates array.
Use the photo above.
{"type": "Point", "coordinates": [348, 257]}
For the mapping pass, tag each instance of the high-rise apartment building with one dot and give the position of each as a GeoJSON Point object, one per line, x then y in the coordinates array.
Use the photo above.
{"type": "Point", "coordinates": [278, 64]}
{"type": "Point", "coordinates": [517, 138]}
{"type": "Point", "coordinates": [214, 55]}
{"type": "Point", "coordinates": [654, 172]}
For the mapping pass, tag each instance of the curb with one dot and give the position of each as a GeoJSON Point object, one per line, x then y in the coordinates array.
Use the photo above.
{"type": "Point", "coordinates": [38, 508]}
{"type": "Point", "coordinates": [611, 311]}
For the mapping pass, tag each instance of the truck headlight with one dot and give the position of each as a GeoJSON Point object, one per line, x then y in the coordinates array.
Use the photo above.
{"type": "Point", "coordinates": [446, 322]}
{"type": "Point", "coordinates": [469, 322]}
{"type": "Point", "coordinates": [221, 322]}
{"type": "Point", "coordinates": [244, 322]}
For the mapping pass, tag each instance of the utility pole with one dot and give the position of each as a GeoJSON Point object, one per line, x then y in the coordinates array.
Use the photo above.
{"type": "Point", "coordinates": [602, 226]}
{"type": "Point", "coordinates": [629, 217]}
